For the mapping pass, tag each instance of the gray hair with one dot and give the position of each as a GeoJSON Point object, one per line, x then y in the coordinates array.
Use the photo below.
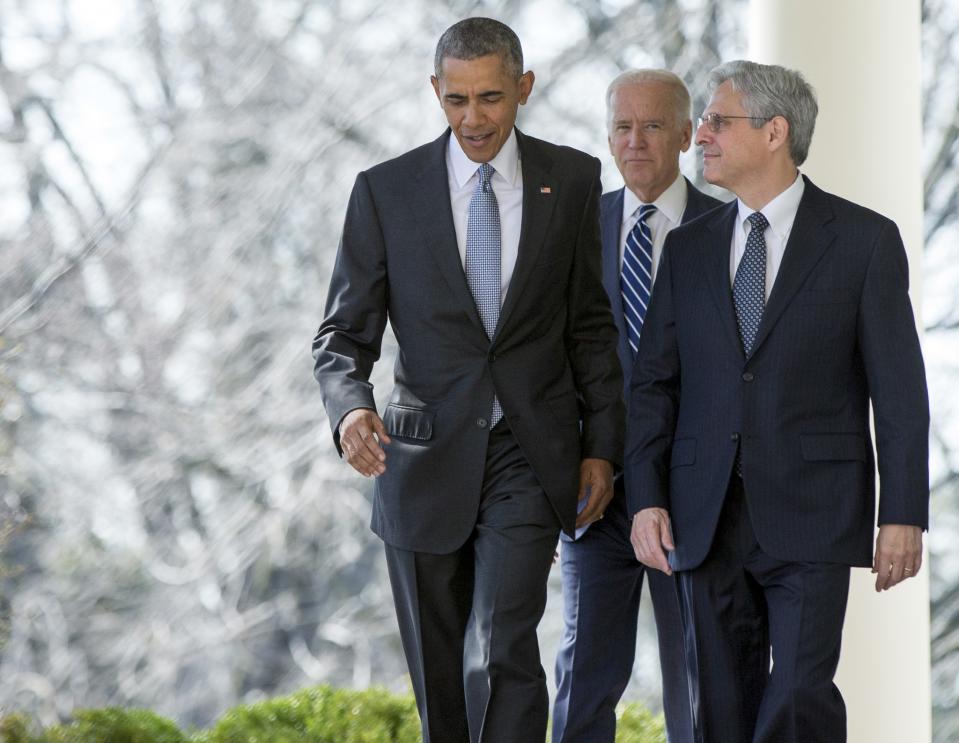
{"type": "Point", "coordinates": [479, 37]}
{"type": "Point", "coordinates": [677, 88]}
{"type": "Point", "coordinates": [771, 90]}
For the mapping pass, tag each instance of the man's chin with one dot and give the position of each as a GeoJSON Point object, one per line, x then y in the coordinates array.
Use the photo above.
{"type": "Point", "coordinates": [712, 177]}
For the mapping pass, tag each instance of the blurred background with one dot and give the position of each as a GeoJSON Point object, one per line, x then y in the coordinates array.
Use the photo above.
{"type": "Point", "coordinates": [176, 531]}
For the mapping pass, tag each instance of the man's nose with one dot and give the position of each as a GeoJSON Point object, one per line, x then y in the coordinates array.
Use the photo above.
{"type": "Point", "coordinates": [703, 135]}
{"type": "Point", "coordinates": [637, 138]}
{"type": "Point", "coordinates": [473, 115]}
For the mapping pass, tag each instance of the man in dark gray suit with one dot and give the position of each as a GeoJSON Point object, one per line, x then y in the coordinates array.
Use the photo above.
{"type": "Point", "coordinates": [648, 126]}
{"type": "Point", "coordinates": [482, 250]}
{"type": "Point", "coordinates": [776, 321]}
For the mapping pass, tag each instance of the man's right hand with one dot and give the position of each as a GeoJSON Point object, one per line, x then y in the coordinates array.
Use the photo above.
{"type": "Point", "coordinates": [361, 433]}
{"type": "Point", "coordinates": [651, 532]}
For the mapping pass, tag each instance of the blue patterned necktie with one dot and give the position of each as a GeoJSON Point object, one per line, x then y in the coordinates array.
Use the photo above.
{"type": "Point", "coordinates": [483, 241]}
{"type": "Point", "coordinates": [749, 286]}
{"type": "Point", "coordinates": [636, 280]}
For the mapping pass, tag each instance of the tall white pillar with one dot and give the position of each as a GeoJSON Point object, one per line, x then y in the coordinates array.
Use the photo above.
{"type": "Point", "coordinates": [863, 59]}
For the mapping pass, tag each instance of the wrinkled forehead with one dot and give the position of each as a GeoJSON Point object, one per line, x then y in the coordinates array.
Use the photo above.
{"type": "Point", "coordinates": [647, 100]}
{"type": "Point", "coordinates": [725, 99]}
{"type": "Point", "coordinates": [494, 62]}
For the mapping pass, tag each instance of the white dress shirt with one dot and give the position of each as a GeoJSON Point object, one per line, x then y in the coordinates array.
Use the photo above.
{"type": "Point", "coordinates": [669, 213]}
{"type": "Point", "coordinates": [780, 213]}
{"type": "Point", "coordinates": [507, 183]}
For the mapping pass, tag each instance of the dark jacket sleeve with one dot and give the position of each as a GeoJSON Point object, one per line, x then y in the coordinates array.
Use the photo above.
{"type": "Point", "coordinates": [347, 343]}
{"type": "Point", "coordinates": [653, 401]}
{"type": "Point", "coordinates": [591, 338]}
{"type": "Point", "coordinates": [896, 377]}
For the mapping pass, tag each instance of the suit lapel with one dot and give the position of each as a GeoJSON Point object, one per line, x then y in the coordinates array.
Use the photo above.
{"type": "Point", "coordinates": [808, 241]}
{"type": "Point", "coordinates": [611, 219]}
{"type": "Point", "coordinates": [431, 208]}
{"type": "Point", "coordinates": [693, 209]}
{"type": "Point", "coordinates": [721, 226]}
{"type": "Point", "coordinates": [540, 192]}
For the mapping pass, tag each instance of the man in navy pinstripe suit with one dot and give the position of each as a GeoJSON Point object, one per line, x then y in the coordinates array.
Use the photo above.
{"type": "Point", "coordinates": [649, 126]}
{"type": "Point", "coordinates": [776, 321]}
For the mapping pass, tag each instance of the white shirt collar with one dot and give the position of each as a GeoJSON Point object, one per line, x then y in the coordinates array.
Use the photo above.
{"type": "Point", "coordinates": [781, 211]}
{"type": "Point", "coordinates": [505, 163]}
{"type": "Point", "coordinates": [671, 202]}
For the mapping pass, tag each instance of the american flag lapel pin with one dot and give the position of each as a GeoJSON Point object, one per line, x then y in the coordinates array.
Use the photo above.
{"type": "Point", "coordinates": [545, 189]}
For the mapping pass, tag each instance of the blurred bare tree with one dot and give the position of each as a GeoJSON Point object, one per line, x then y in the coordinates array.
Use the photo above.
{"type": "Point", "coordinates": [173, 177]}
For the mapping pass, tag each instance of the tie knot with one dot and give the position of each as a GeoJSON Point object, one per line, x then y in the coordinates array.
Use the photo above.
{"type": "Point", "coordinates": [644, 211]}
{"type": "Point", "coordinates": [485, 173]}
{"type": "Point", "coordinates": [758, 221]}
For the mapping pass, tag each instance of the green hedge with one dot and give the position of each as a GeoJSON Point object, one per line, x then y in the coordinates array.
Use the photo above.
{"type": "Point", "coordinates": [319, 715]}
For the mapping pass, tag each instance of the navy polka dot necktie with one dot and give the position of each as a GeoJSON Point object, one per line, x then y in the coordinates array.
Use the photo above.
{"type": "Point", "coordinates": [483, 262]}
{"type": "Point", "coordinates": [749, 286]}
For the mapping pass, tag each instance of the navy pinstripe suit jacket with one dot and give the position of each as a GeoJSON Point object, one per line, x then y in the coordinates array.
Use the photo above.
{"type": "Point", "coordinates": [837, 333]}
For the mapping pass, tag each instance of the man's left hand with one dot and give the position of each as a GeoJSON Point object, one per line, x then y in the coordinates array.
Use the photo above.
{"type": "Point", "coordinates": [595, 481]}
{"type": "Point", "coordinates": [898, 554]}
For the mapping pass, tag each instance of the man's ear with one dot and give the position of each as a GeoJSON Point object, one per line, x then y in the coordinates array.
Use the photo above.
{"type": "Point", "coordinates": [778, 133]}
{"type": "Point", "coordinates": [526, 86]}
{"type": "Point", "coordinates": [435, 82]}
{"type": "Point", "coordinates": [687, 136]}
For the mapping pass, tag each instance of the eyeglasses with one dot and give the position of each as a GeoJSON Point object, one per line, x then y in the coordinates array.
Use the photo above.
{"type": "Point", "coordinates": [715, 122]}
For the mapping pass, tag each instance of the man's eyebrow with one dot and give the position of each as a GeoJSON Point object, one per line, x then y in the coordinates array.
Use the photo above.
{"type": "Point", "coordinates": [463, 96]}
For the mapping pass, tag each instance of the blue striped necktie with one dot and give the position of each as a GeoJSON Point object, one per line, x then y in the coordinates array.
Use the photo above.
{"type": "Point", "coordinates": [636, 279]}
{"type": "Point", "coordinates": [483, 262]}
{"type": "Point", "coordinates": [749, 286]}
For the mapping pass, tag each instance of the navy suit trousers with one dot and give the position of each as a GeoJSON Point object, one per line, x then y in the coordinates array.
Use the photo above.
{"type": "Point", "coordinates": [602, 582]}
{"type": "Point", "coordinates": [740, 603]}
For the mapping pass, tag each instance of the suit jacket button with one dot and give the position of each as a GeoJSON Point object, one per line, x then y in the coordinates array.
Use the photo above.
{"type": "Point", "coordinates": [748, 377]}
{"type": "Point", "coordinates": [482, 422]}
{"type": "Point", "coordinates": [734, 437]}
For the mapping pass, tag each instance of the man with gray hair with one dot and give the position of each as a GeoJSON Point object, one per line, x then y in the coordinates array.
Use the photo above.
{"type": "Point", "coordinates": [648, 127]}
{"type": "Point", "coordinates": [482, 250]}
{"type": "Point", "coordinates": [775, 323]}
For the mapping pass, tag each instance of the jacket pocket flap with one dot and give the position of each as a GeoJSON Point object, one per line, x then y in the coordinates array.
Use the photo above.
{"type": "Point", "coordinates": [410, 423]}
{"type": "Point", "coordinates": [820, 447]}
{"type": "Point", "coordinates": [683, 453]}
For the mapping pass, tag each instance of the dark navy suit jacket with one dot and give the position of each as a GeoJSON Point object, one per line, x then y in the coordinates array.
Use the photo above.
{"type": "Point", "coordinates": [837, 332]}
{"type": "Point", "coordinates": [611, 220]}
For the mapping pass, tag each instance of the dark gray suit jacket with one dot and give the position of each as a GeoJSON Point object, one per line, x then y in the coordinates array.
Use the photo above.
{"type": "Point", "coordinates": [552, 362]}
{"type": "Point", "coordinates": [837, 333]}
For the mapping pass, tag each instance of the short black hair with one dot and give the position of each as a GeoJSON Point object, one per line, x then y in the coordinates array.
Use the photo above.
{"type": "Point", "coordinates": [479, 37]}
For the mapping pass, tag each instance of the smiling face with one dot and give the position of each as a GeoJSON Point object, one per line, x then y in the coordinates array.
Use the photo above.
{"type": "Point", "coordinates": [480, 101]}
{"type": "Point", "coordinates": [646, 135]}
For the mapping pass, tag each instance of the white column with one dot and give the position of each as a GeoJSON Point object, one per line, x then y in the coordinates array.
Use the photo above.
{"type": "Point", "coordinates": [863, 59]}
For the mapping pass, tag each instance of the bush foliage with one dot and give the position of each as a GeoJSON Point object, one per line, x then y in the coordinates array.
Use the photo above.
{"type": "Point", "coordinates": [318, 715]}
